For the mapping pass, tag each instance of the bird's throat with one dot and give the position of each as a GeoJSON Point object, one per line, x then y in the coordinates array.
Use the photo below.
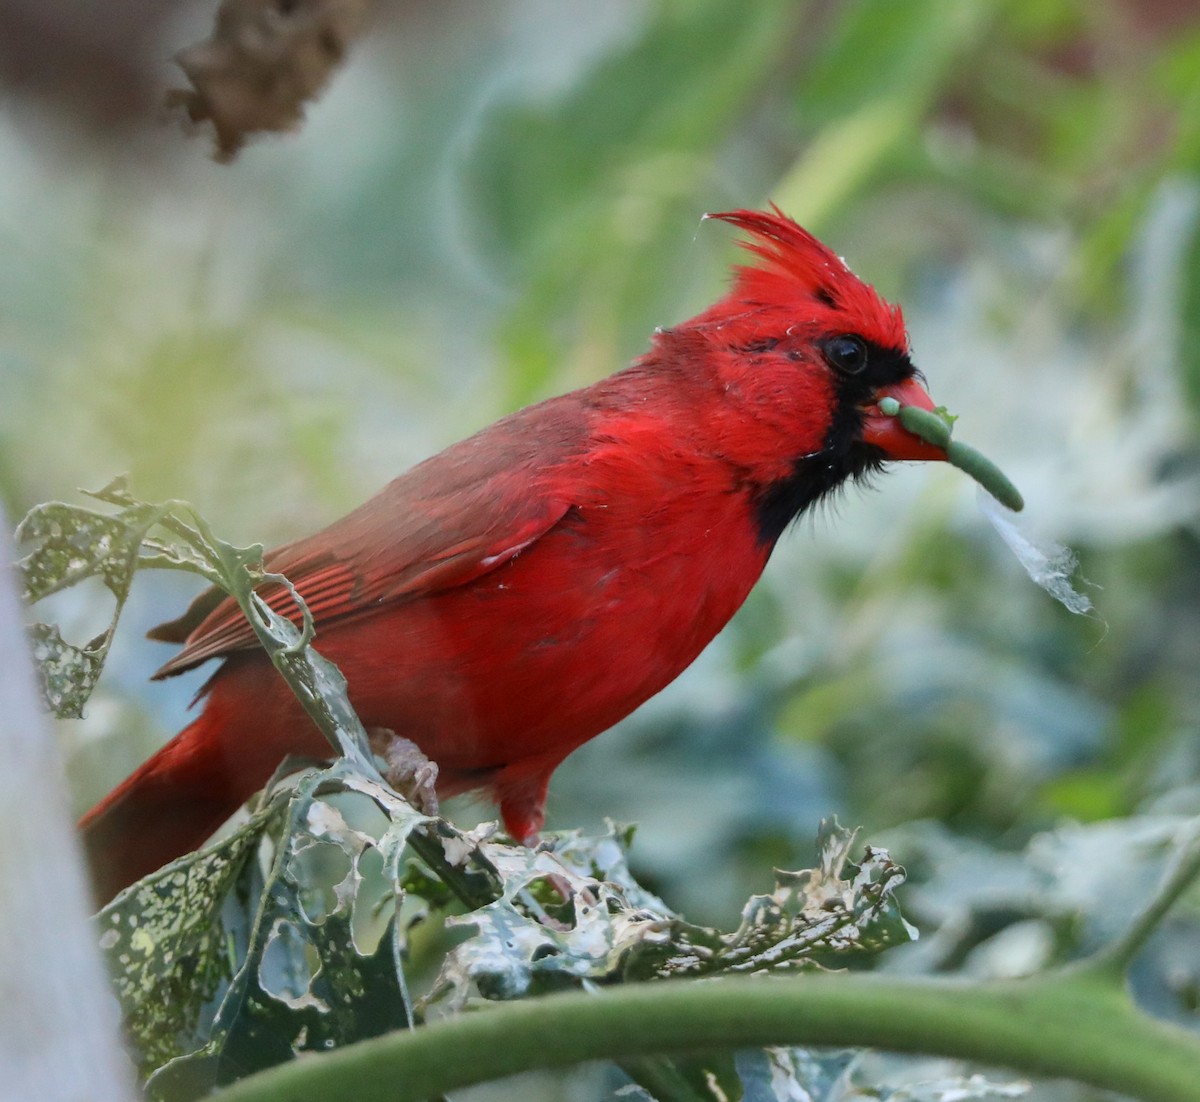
{"type": "Point", "coordinates": [843, 458]}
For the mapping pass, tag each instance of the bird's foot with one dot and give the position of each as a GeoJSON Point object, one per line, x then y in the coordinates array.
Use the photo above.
{"type": "Point", "coordinates": [406, 768]}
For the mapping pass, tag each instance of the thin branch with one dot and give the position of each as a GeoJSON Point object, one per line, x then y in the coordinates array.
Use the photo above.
{"type": "Point", "coordinates": [1116, 958]}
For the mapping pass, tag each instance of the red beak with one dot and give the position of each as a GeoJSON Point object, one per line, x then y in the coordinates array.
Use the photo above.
{"type": "Point", "coordinates": [886, 432]}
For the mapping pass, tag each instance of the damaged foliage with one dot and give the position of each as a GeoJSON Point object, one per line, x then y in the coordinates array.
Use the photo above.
{"type": "Point", "coordinates": [232, 960]}
{"type": "Point", "coordinates": [293, 934]}
{"type": "Point", "coordinates": [610, 929]}
{"type": "Point", "coordinates": [69, 544]}
{"type": "Point", "coordinates": [317, 962]}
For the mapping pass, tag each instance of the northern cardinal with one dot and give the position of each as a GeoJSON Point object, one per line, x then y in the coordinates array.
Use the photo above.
{"type": "Point", "coordinates": [523, 590]}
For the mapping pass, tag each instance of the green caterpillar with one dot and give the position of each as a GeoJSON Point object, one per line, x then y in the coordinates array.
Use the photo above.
{"type": "Point", "coordinates": [934, 428]}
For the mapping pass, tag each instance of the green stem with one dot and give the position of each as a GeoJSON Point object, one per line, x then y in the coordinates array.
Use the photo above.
{"type": "Point", "coordinates": [1116, 958]}
{"type": "Point", "coordinates": [1061, 1025]}
{"type": "Point", "coordinates": [472, 891]}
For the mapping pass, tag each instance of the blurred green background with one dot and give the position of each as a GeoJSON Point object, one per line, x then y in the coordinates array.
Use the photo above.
{"type": "Point", "coordinates": [495, 202]}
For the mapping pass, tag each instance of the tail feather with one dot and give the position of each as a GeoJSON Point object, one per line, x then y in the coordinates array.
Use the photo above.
{"type": "Point", "coordinates": [176, 800]}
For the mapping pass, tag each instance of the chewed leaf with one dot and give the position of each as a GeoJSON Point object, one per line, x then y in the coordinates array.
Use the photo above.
{"type": "Point", "coordinates": [67, 544]}
{"type": "Point", "coordinates": [300, 957]}
{"type": "Point", "coordinates": [70, 544]}
{"type": "Point", "coordinates": [66, 673]}
{"type": "Point", "coordinates": [835, 910]}
{"type": "Point", "coordinates": [612, 930]}
{"type": "Point", "coordinates": [1051, 565]}
{"type": "Point", "coordinates": [171, 942]}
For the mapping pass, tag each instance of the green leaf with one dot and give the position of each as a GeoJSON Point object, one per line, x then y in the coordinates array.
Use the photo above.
{"type": "Point", "coordinates": [315, 962]}
{"type": "Point", "coordinates": [172, 942]}
{"type": "Point", "coordinates": [612, 930]}
{"type": "Point", "coordinates": [71, 544]}
{"type": "Point", "coordinates": [773, 1074]}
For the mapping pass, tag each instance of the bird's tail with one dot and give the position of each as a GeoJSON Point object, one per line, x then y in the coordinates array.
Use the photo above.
{"type": "Point", "coordinates": [168, 807]}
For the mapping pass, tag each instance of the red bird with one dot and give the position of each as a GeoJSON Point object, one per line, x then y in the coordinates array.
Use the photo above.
{"type": "Point", "coordinates": [517, 594]}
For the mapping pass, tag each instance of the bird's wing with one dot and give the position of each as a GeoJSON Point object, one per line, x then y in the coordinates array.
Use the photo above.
{"type": "Point", "coordinates": [449, 520]}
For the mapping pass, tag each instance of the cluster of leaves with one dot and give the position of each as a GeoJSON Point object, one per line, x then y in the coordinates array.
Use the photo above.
{"type": "Point", "coordinates": [292, 933]}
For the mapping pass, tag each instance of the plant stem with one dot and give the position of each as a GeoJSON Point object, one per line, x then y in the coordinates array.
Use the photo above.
{"type": "Point", "coordinates": [1063, 1024]}
{"type": "Point", "coordinates": [470, 892]}
{"type": "Point", "coordinates": [1117, 958]}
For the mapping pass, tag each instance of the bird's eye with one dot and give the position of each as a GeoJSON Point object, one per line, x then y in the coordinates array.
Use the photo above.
{"type": "Point", "coordinates": [847, 354]}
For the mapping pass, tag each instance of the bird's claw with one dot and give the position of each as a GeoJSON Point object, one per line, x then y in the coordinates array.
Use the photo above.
{"type": "Point", "coordinates": [406, 768]}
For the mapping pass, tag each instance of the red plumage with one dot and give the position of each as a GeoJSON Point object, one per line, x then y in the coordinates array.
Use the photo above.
{"type": "Point", "coordinates": [521, 591]}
